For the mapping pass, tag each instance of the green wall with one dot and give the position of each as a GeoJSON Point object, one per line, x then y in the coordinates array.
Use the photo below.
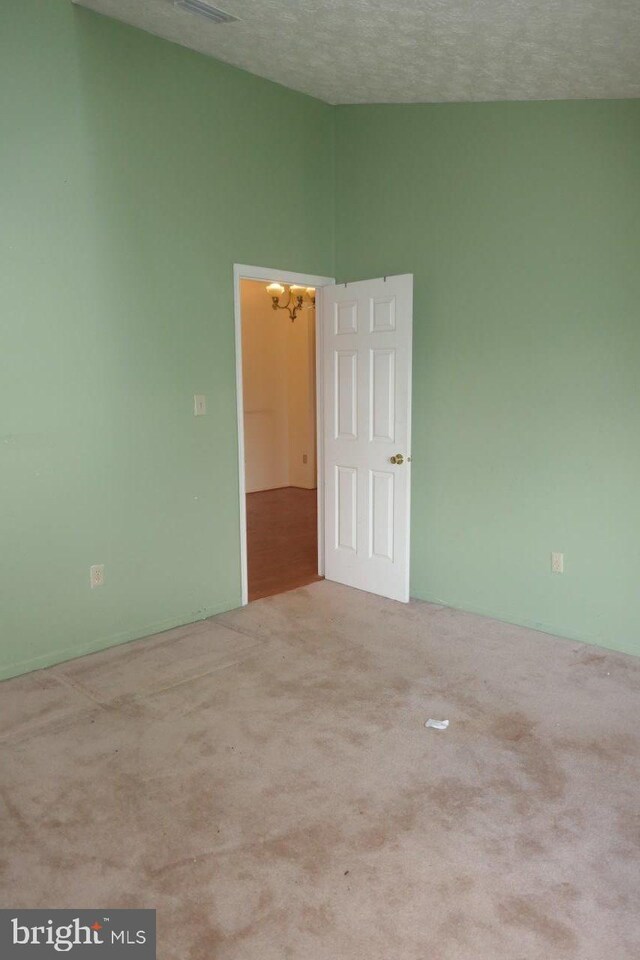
{"type": "Point", "coordinates": [133, 174]}
{"type": "Point", "coordinates": [521, 224]}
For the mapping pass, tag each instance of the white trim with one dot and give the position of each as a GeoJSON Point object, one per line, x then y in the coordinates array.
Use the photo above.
{"type": "Point", "coordinates": [320, 429]}
{"type": "Point", "coordinates": [243, 272]}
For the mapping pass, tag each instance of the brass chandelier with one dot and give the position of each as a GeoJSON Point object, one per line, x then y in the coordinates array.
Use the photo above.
{"type": "Point", "coordinates": [298, 298]}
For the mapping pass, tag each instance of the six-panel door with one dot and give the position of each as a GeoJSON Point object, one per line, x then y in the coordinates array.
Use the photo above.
{"type": "Point", "coordinates": [366, 332]}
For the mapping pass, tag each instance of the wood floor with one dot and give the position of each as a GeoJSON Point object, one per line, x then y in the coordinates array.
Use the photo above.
{"type": "Point", "coordinates": [282, 540]}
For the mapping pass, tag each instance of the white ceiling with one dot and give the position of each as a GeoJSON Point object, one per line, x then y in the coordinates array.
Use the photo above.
{"type": "Point", "coordinates": [390, 51]}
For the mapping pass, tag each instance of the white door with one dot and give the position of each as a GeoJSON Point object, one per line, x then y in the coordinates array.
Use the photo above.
{"type": "Point", "coordinates": [366, 336]}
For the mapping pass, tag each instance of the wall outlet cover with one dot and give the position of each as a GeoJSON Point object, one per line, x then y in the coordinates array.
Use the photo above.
{"type": "Point", "coordinates": [96, 575]}
{"type": "Point", "coordinates": [557, 562]}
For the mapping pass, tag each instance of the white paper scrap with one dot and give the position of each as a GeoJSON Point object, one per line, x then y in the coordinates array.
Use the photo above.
{"type": "Point", "coordinates": [437, 724]}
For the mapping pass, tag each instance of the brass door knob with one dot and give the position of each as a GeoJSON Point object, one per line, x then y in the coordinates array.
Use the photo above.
{"type": "Point", "coordinates": [398, 459]}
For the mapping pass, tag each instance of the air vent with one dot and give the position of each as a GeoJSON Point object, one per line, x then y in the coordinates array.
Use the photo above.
{"type": "Point", "coordinates": [206, 10]}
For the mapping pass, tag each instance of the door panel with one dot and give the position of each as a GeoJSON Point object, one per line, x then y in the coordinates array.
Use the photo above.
{"type": "Point", "coordinates": [382, 393]}
{"type": "Point", "coordinates": [346, 391]}
{"type": "Point", "coordinates": [366, 364]}
{"type": "Point", "coordinates": [346, 317]}
{"type": "Point", "coordinates": [381, 515]}
{"type": "Point", "coordinates": [346, 509]}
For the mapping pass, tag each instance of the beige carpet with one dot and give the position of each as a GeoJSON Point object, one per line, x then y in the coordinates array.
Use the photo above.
{"type": "Point", "coordinates": [265, 780]}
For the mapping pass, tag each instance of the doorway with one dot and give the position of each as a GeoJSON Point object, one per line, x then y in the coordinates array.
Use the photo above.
{"type": "Point", "coordinates": [363, 362]}
{"type": "Point", "coordinates": [279, 430]}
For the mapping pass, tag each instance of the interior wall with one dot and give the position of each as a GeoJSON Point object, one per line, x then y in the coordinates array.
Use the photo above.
{"type": "Point", "coordinates": [133, 174]}
{"type": "Point", "coordinates": [521, 225]}
{"type": "Point", "coordinates": [278, 371]}
{"type": "Point", "coordinates": [266, 404]}
{"type": "Point", "coordinates": [301, 398]}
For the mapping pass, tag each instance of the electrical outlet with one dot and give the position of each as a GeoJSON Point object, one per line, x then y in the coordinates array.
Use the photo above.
{"type": "Point", "coordinates": [557, 563]}
{"type": "Point", "coordinates": [199, 405]}
{"type": "Point", "coordinates": [96, 575]}
{"type": "Point", "coordinates": [304, 458]}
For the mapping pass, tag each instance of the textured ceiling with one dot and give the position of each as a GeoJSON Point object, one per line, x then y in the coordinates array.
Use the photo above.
{"type": "Point", "coordinates": [377, 51]}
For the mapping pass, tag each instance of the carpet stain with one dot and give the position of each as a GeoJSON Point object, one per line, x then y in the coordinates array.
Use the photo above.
{"type": "Point", "coordinates": [523, 912]}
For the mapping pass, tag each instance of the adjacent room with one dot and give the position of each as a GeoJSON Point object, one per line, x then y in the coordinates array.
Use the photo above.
{"type": "Point", "coordinates": [320, 473]}
{"type": "Point", "coordinates": [279, 419]}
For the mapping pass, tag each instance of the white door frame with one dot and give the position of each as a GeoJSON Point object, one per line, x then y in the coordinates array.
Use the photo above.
{"type": "Point", "coordinates": [243, 272]}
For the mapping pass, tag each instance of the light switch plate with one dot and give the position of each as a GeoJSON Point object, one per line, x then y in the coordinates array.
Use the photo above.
{"type": "Point", "coordinates": [199, 405]}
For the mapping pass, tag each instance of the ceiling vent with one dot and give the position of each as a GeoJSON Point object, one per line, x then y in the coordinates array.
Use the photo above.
{"type": "Point", "coordinates": [206, 10]}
